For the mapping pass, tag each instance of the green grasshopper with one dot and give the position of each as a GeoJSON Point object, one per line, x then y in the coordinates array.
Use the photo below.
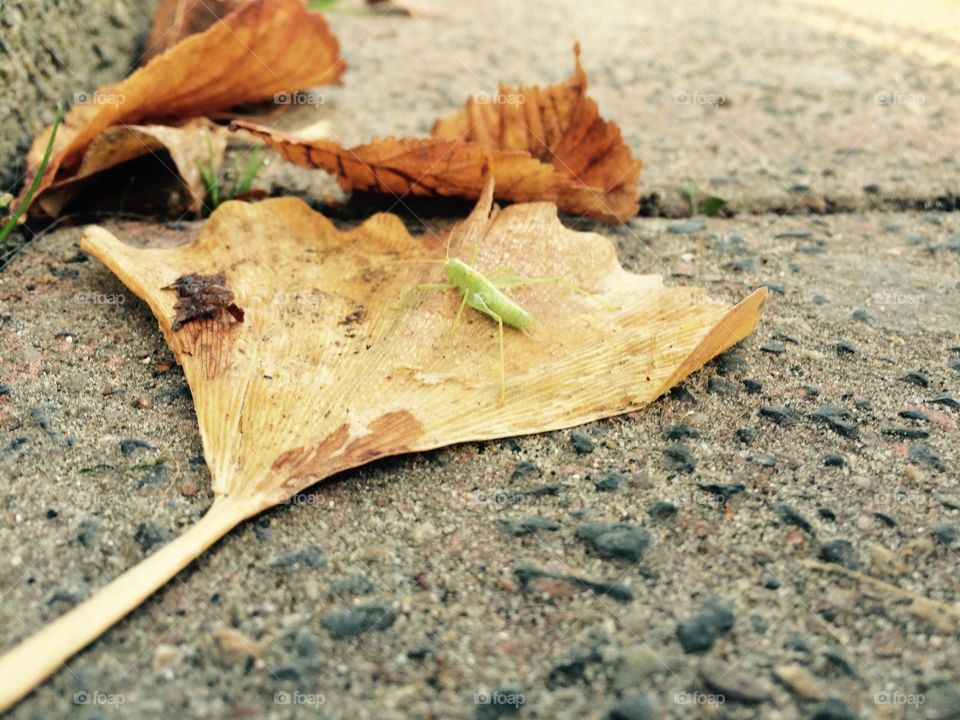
{"type": "Point", "coordinates": [485, 294]}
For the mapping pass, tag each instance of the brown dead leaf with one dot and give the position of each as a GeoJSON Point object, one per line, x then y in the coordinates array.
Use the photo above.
{"type": "Point", "coordinates": [538, 144]}
{"type": "Point", "coordinates": [339, 360]}
{"type": "Point", "coordinates": [173, 20]}
{"type": "Point", "coordinates": [186, 143]}
{"type": "Point", "coordinates": [265, 47]}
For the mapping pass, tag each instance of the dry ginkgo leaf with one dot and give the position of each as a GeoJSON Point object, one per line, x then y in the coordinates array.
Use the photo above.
{"type": "Point", "coordinates": [186, 143]}
{"type": "Point", "coordinates": [264, 47]}
{"type": "Point", "coordinates": [332, 358]}
{"type": "Point", "coordinates": [538, 144]}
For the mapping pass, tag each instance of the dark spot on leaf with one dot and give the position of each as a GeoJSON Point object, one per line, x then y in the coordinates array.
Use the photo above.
{"type": "Point", "coordinates": [202, 296]}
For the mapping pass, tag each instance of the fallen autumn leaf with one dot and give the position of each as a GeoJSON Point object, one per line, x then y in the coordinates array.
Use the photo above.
{"type": "Point", "coordinates": [537, 143]}
{"type": "Point", "coordinates": [339, 361]}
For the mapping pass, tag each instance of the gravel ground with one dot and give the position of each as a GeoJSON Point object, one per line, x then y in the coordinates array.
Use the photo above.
{"type": "Point", "coordinates": [656, 565]}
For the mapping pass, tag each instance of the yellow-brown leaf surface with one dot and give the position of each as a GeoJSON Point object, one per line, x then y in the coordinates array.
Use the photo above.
{"type": "Point", "coordinates": [339, 359]}
{"type": "Point", "coordinates": [265, 47]}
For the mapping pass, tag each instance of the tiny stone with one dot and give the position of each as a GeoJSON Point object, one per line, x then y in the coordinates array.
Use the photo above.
{"type": "Point", "coordinates": [149, 536]}
{"type": "Point", "coordinates": [791, 517]}
{"type": "Point", "coordinates": [773, 348]}
{"type": "Point", "coordinates": [610, 482]}
{"type": "Point", "coordinates": [355, 621]}
{"type": "Point", "coordinates": [916, 377]}
{"type": "Point", "coordinates": [833, 709]}
{"type": "Point", "coordinates": [820, 300]}
{"type": "Point", "coordinates": [921, 454]}
{"type": "Point", "coordinates": [944, 399]}
{"type": "Point", "coordinates": [528, 526]}
{"type": "Point", "coordinates": [844, 347]}
{"type": "Point", "coordinates": [128, 447]}
{"type": "Point", "coordinates": [914, 415]}
{"type": "Point", "coordinates": [312, 557]}
{"type": "Point", "coordinates": [840, 552]}
{"type": "Point", "coordinates": [771, 583]}
{"type": "Point", "coordinates": [799, 681]}
{"type": "Point", "coordinates": [861, 316]}
{"type": "Point", "coordinates": [909, 433]}
{"type": "Point", "coordinates": [680, 432]}
{"type": "Point", "coordinates": [663, 510]}
{"type": "Point", "coordinates": [680, 457]}
{"type": "Point", "coordinates": [794, 234]}
{"type": "Point", "coordinates": [735, 684]}
{"type": "Point", "coordinates": [834, 460]}
{"type": "Point", "coordinates": [946, 534]}
{"type": "Point", "coordinates": [719, 386]}
{"type": "Point", "coordinates": [632, 707]}
{"type": "Point", "coordinates": [780, 414]}
{"type": "Point", "coordinates": [621, 540]}
{"type": "Point", "coordinates": [837, 419]}
{"type": "Point", "coordinates": [746, 435]}
{"type": "Point", "coordinates": [582, 442]}
{"type": "Point", "coordinates": [352, 585]}
{"type": "Point", "coordinates": [753, 386]}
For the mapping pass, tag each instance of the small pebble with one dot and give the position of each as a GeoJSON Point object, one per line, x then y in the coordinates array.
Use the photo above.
{"type": "Point", "coordinates": [746, 435]}
{"type": "Point", "coordinates": [753, 386]}
{"type": "Point", "coordinates": [680, 458]}
{"type": "Point", "coordinates": [837, 419]}
{"type": "Point", "coordinates": [355, 621]}
{"type": "Point", "coordinates": [915, 377]}
{"type": "Point", "coordinates": [528, 526]}
{"type": "Point", "coordinates": [946, 534]}
{"type": "Point", "coordinates": [774, 348]}
{"type": "Point", "coordinates": [582, 442]}
{"type": "Point", "coordinates": [844, 347]}
{"type": "Point", "coordinates": [920, 454]}
{"type": "Point", "coordinates": [840, 552]}
{"type": "Point", "coordinates": [834, 460]}
{"type": "Point", "coordinates": [632, 707]}
{"type": "Point", "coordinates": [735, 684]}
{"type": "Point", "coordinates": [698, 632]}
{"type": "Point", "coordinates": [780, 414]}
{"type": "Point", "coordinates": [833, 709]}
{"type": "Point", "coordinates": [620, 540]}
{"type": "Point", "coordinates": [663, 510]}
{"type": "Point", "coordinates": [946, 400]}
{"type": "Point", "coordinates": [610, 482]}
